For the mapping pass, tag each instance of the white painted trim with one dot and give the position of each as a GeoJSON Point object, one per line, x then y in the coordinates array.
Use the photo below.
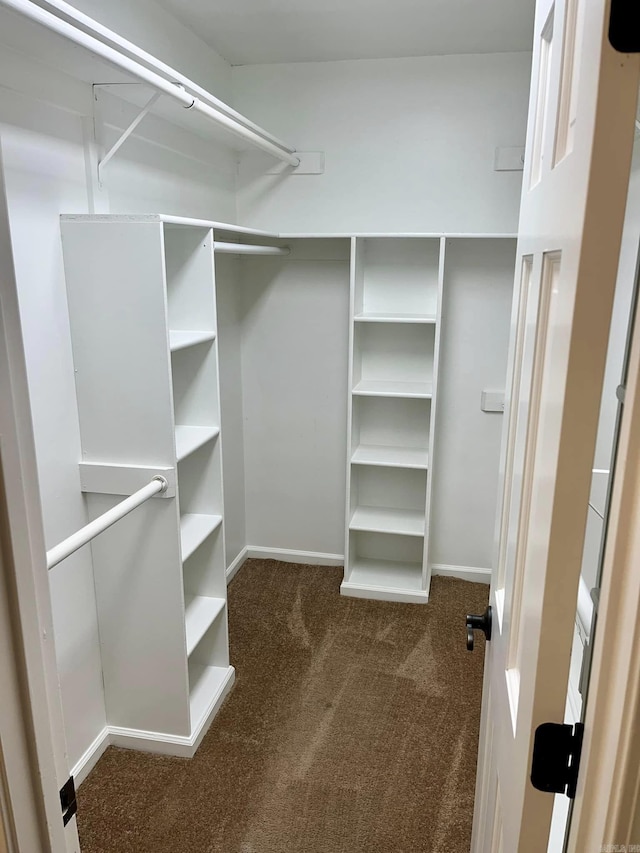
{"type": "Point", "coordinates": [236, 565]}
{"type": "Point", "coordinates": [91, 756]}
{"type": "Point", "coordinates": [202, 726]}
{"type": "Point", "coordinates": [465, 573]}
{"type": "Point", "coordinates": [383, 593]}
{"type": "Point", "coordinates": [156, 742]}
{"type": "Point", "coordinates": [308, 558]}
{"type": "Point", "coordinates": [606, 805]}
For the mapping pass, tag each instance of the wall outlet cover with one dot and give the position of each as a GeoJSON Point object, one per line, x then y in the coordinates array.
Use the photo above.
{"type": "Point", "coordinates": [492, 401]}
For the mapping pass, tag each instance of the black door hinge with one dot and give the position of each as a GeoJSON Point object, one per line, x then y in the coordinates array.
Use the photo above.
{"type": "Point", "coordinates": [556, 758]}
{"type": "Point", "coordinates": [68, 800]}
{"type": "Point", "coordinates": [624, 32]}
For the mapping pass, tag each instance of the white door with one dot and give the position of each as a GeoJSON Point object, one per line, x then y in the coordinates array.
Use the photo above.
{"type": "Point", "coordinates": [31, 726]}
{"type": "Point", "coordinates": [579, 141]}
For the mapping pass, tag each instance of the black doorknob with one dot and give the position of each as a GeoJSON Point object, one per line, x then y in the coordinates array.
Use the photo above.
{"type": "Point", "coordinates": [478, 623]}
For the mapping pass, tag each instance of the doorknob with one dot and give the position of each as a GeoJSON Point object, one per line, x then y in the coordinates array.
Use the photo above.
{"type": "Point", "coordinates": [478, 623]}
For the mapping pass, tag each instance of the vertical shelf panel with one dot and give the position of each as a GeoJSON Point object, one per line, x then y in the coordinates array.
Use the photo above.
{"type": "Point", "coordinates": [143, 317]}
{"type": "Point", "coordinates": [191, 299]}
{"type": "Point", "coordinates": [394, 339]}
{"type": "Point", "coordinates": [116, 292]}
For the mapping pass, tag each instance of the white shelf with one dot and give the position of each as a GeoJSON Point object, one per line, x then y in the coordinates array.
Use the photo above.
{"type": "Point", "coordinates": [194, 529]}
{"type": "Point", "coordinates": [207, 687]}
{"type": "Point", "coordinates": [379, 317]}
{"type": "Point", "coordinates": [200, 614]}
{"type": "Point", "coordinates": [390, 457]}
{"type": "Point", "coordinates": [391, 388]}
{"type": "Point", "coordinates": [404, 522]}
{"type": "Point", "coordinates": [386, 580]}
{"type": "Point", "coordinates": [179, 339]}
{"type": "Point", "coordinates": [190, 438]}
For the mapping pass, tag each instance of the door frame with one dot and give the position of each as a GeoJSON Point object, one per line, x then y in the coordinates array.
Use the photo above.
{"type": "Point", "coordinates": [608, 797]}
{"type": "Point", "coordinates": [31, 724]}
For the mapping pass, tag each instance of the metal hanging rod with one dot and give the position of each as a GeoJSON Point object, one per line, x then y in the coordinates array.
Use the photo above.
{"type": "Point", "coordinates": [249, 249]}
{"type": "Point", "coordinates": [100, 524]}
{"type": "Point", "coordinates": [104, 34]}
{"type": "Point", "coordinates": [172, 89]}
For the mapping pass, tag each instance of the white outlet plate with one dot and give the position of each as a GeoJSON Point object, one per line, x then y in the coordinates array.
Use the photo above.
{"type": "Point", "coordinates": [492, 401]}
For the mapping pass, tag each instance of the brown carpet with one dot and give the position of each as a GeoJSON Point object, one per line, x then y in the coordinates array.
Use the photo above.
{"type": "Point", "coordinates": [352, 728]}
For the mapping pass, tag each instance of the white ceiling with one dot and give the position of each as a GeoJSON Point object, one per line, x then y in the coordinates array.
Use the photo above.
{"type": "Point", "coordinates": [247, 32]}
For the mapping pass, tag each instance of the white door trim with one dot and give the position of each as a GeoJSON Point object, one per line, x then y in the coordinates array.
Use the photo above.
{"type": "Point", "coordinates": [606, 803]}
{"type": "Point", "coordinates": [25, 604]}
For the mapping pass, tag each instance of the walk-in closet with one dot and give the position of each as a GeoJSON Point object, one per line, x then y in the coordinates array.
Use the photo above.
{"type": "Point", "coordinates": [264, 262]}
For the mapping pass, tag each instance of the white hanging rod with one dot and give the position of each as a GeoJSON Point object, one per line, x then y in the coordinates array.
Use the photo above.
{"type": "Point", "coordinates": [91, 530]}
{"type": "Point", "coordinates": [249, 249]}
{"type": "Point", "coordinates": [173, 90]}
{"type": "Point", "coordinates": [104, 34]}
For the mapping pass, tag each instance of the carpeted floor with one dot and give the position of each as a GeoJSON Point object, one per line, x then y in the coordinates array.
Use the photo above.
{"type": "Point", "coordinates": [352, 728]}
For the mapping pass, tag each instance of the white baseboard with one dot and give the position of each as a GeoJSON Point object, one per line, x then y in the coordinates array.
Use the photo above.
{"type": "Point", "coordinates": [382, 593]}
{"type": "Point", "coordinates": [308, 558]}
{"type": "Point", "coordinates": [89, 759]}
{"type": "Point", "coordinates": [465, 573]}
{"type": "Point", "coordinates": [202, 726]}
{"type": "Point", "coordinates": [158, 742]}
{"type": "Point", "coordinates": [236, 565]}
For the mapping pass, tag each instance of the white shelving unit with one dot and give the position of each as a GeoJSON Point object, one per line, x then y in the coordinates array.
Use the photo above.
{"type": "Point", "coordinates": [142, 304]}
{"type": "Point", "coordinates": [396, 297]}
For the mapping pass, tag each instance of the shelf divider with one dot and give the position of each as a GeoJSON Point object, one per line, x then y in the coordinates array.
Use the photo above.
{"type": "Point", "coordinates": [390, 457]}
{"type": "Point", "coordinates": [194, 529]}
{"type": "Point", "coordinates": [374, 519]}
{"type": "Point", "coordinates": [393, 388]}
{"type": "Point", "coordinates": [181, 339]}
{"type": "Point", "coordinates": [386, 580]}
{"type": "Point", "coordinates": [390, 317]}
{"type": "Point", "coordinates": [190, 438]}
{"type": "Point", "coordinates": [200, 614]}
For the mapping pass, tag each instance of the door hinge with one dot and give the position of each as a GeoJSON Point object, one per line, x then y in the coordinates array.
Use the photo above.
{"type": "Point", "coordinates": [556, 758]}
{"type": "Point", "coordinates": [68, 800]}
{"type": "Point", "coordinates": [624, 35]}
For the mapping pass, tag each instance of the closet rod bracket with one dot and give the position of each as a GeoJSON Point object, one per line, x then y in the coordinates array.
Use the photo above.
{"type": "Point", "coordinates": [125, 133]}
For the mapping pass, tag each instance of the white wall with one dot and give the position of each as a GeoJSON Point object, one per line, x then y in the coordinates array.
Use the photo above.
{"type": "Point", "coordinates": [295, 329]}
{"type": "Point", "coordinates": [476, 315]}
{"type": "Point", "coordinates": [44, 165]}
{"type": "Point", "coordinates": [409, 146]}
{"type": "Point", "coordinates": [229, 303]}
{"type": "Point", "coordinates": [152, 28]}
{"type": "Point", "coordinates": [163, 170]}
{"type": "Point", "coordinates": [409, 143]}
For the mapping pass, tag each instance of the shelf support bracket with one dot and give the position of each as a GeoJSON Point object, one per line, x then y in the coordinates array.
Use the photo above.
{"type": "Point", "coordinates": [126, 134]}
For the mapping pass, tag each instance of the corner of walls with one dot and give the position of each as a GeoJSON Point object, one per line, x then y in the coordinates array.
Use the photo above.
{"type": "Point", "coordinates": [409, 143]}
{"type": "Point", "coordinates": [156, 30]}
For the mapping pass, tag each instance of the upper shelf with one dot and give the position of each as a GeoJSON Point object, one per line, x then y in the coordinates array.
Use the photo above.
{"type": "Point", "coordinates": [231, 228]}
{"type": "Point", "coordinates": [167, 219]}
